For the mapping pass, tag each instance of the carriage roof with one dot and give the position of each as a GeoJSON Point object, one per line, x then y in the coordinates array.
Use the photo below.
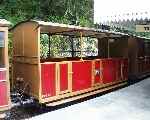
{"type": "Point", "coordinates": [4, 22]}
{"type": "Point", "coordinates": [70, 30]}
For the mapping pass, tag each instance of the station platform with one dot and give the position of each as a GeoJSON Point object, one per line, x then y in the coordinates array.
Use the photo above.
{"type": "Point", "coordinates": [129, 103]}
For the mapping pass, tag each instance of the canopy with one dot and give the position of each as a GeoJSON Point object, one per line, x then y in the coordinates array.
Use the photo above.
{"type": "Point", "coordinates": [71, 30]}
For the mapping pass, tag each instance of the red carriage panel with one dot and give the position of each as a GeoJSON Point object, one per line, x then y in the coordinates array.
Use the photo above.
{"type": "Point", "coordinates": [109, 70]}
{"type": "Point", "coordinates": [2, 74]}
{"type": "Point", "coordinates": [3, 94]}
{"type": "Point", "coordinates": [63, 76]}
{"type": "Point", "coordinates": [125, 69]}
{"type": "Point", "coordinates": [97, 73]}
{"type": "Point", "coordinates": [82, 75]}
{"type": "Point", "coordinates": [48, 79]}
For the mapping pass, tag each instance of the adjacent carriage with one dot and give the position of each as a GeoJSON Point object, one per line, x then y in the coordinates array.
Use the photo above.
{"type": "Point", "coordinates": [4, 67]}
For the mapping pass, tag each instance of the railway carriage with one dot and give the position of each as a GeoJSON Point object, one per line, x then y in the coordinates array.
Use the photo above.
{"type": "Point", "coordinates": [139, 57]}
{"type": "Point", "coordinates": [54, 81]}
{"type": "Point", "coordinates": [4, 67]}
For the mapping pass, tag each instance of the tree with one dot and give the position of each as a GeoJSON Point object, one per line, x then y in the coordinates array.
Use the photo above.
{"type": "Point", "coordinates": [75, 12]}
{"type": "Point", "coordinates": [63, 11]}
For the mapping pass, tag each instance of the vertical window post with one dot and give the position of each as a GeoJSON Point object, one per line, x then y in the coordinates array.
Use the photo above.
{"type": "Point", "coordinates": [49, 45]}
{"type": "Point", "coordinates": [72, 46]}
{"type": "Point", "coordinates": [81, 44]}
{"type": "Point", "coordinates": [108, 49]}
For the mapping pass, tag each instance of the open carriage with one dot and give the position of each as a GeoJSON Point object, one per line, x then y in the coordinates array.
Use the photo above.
{"type": "Point", "coordinates": [56, 80]}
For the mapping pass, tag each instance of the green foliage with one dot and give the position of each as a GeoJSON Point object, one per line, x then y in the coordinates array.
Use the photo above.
{"type": "Point", "coordinates": [44, 45]}
{"type": "Point", "coordinates": [60, 46]}
{"type": "Point", "coordinates": [75, 12]}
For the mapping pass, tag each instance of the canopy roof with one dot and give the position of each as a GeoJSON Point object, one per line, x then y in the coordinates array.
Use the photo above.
{"type": "Point", "coordinates": [70, 30]}
{"type": "Point", "coordinates": [4, 22]}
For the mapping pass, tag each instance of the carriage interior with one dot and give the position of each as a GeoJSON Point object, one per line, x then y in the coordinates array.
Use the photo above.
{"type": "Point", "coordinates": [68, 43]}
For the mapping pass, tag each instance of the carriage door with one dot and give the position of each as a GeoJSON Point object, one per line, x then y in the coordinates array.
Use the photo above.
{"type": "Point", "coordinates": [63, 77]}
